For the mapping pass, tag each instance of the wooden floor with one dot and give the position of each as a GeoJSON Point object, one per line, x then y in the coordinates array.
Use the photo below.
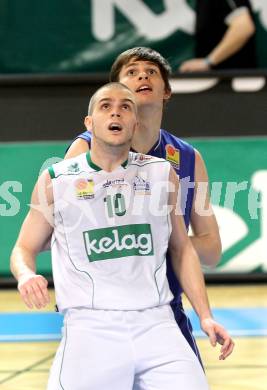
{"type": "Point", "coordinates": [25, 366]}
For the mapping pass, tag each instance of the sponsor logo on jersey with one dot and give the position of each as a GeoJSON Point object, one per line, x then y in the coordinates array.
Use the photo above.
{"type": "Point", "coordinates": [141, 186]}
{"type": "Point", "coordinates": [119, 241]}
{"type": "Point", "coordinates": [114, 183]}
{"type": "Point", "coordinates": [139, 157]}
{"type": "Point", "coordinates": [84, 189]}
{"type": "Point", "coordinates": [172, 155]}
{"type": "Point", "coordinates": [74, 168]}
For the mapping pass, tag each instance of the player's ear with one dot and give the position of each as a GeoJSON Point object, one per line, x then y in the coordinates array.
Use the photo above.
{"type": "Point", "coordinates": [88, 122]}
{"type": "Point", "coordinates": [167, 94]}
{"type": "Point", "coordinates": [135, 126]}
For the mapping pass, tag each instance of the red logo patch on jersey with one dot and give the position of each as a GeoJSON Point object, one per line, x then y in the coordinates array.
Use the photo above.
{"type": "Point", "coordinates": [172, 155]}
{"type": "Point", "coordinates": [84, 188]}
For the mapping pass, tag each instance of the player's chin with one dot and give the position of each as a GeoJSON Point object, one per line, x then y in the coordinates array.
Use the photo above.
{"type": "Point", "coordinates": [148, 100]}
{"type": "Point", "coordinates": [143, 96]}
{"type": "Point", "coordinates": [119, 142]}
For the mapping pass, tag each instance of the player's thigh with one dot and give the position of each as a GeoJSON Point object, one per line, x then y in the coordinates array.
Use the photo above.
{"type": "Point", "coordinates": [186, 328]}
{"type": "Point", "coordinates": [172, 376]}
{"type": "Point", "coordinates": [165, 357]}
{"type": "Point", "coordinates": [91, 360]}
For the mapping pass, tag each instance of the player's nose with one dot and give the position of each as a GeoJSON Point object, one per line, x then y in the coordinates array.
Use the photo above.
{"type": "Point", "coordinates": [143, 76]}
{"type": "Point", "coordinates": [115, 113]}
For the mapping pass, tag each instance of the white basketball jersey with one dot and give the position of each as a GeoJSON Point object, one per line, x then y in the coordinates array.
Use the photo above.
{"type": "Point", "coordinates": [111, 233]}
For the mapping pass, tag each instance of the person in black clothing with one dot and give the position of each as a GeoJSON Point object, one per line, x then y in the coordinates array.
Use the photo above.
{"type": "Point", "coordinates": [224, 36]}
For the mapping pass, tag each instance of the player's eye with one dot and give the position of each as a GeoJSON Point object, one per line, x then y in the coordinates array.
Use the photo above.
{"type": "Point", "coordinates": [152, 71]}
{"type": "Point", "coordinates": [126, 107]}
{"type": "Point", "coordinates": [131, 72]}
{"type": "Point", "coordinates": [105, 106]}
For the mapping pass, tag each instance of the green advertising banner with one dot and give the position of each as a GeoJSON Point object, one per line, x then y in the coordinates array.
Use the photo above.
{"type": "Point", "coordinates": [238, 176]}
{"type": "Point", "coordinates": [20, 166]}
{"type": "Point", "coordinates": [85, 36]}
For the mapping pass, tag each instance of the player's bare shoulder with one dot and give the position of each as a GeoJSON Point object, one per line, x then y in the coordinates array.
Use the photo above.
{"type": "Point", "coordinates": [78, 147]}
{"type": "Point", "coordinates": [201, 174]}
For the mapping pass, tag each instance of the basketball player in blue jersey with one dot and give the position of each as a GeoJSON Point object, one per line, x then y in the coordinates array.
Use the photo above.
{"type": "Point", "coordinates": [147, 74]}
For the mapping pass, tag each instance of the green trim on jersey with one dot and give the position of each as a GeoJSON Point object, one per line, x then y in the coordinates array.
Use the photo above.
{"type": "Point", "coordinates": [142, 163]}
{"type": "Point", "coordinates": [91, 164]}
{"type": "Point", "coordinates": [63, 356]}
{"type": "Point", "coordinates": [124, 164]}
{"type": "Point", "coordinates": [67, 174]}
{"type": "Point", "coordinates": [75, 267]}
{"type": "Point", "coordinates": [96, 167]}
{"type": "Point", "coordinates": [51, 172]}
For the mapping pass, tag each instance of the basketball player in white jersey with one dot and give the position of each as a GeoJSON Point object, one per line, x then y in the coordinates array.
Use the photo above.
{"type": "Point", "coordinates": [113, 214]}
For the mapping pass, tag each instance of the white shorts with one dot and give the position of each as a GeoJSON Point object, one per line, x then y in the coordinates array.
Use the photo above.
{"type": "Point", "coordinates": [124, 350]}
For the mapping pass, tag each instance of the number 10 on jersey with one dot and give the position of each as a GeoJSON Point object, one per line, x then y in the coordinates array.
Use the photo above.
{"type": "Point", "coordinates": [115, 205]}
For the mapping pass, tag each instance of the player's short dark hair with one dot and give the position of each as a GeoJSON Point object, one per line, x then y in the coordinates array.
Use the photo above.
{"type": "Point", "coordinates": [114, 84]}
{"type": "Point", "coordinates": [142, 54]}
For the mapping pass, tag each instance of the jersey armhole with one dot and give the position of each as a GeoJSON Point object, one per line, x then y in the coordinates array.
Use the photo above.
{"type": "Point", "coordinates": [51, 172]}
{"type": "Point", "coordinates": [236, 12]}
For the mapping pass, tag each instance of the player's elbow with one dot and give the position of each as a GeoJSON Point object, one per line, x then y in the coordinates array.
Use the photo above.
{"type": "Point", "coordinates": [250, 28]}
{"type": "Point", "coordinates": [247, 26]}
{"type": "Point", "coordinates": [214, 254]}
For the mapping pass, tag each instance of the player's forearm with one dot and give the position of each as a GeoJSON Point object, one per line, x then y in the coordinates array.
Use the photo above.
{"type": "Point", "coordinates": [208, 249]}
{"type": "Point", "coordinates": [22, 262]}
{"type": "Point", "coordinates": [189, 273]}
{"type": "Point", "coordinates": [233, 40]}
{"type": "Point", "coordinates": [32, 288]}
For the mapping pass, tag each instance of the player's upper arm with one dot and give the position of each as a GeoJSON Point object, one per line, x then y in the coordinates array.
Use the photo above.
{"type": "Point", "coordinates": [78, 147]}
{"type": "Point", "coordinates": [241, 17]}
{"type": "Point", "coordinates": [38, 224]}
{"type": "Point", "coordinates": [202, 219]}
{"type": "Point", "coordinates": [179, 233]}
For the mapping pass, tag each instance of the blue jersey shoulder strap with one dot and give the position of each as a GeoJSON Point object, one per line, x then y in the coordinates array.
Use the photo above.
{"type": "Point", "coordinates": [86, 135]}
{"type": "Point", "coordinates": [181, 155]}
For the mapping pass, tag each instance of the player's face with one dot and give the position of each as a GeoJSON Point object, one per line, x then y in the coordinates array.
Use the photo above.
{"type": "Point", "coordinates": [145, 80]}
{"type": "Point", "coordinates": [113, 120]}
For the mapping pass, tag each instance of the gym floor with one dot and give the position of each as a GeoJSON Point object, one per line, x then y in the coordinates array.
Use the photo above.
{"type": "Point", "coordinates": [242, 309]}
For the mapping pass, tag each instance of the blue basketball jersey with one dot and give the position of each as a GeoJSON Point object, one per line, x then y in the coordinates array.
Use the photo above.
{"type": "Point", "coordinates": [181, 155]}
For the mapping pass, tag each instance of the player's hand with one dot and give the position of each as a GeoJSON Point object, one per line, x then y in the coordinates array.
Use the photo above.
{"type": "Point", "coordinates": [217, 334]}
{"type": "Point", "coordinates": [33, 290]}
{"type": "Point", "coordinates": [194, 65]}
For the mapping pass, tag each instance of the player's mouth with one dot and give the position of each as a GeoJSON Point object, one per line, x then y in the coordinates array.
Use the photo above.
{"type": "Point", "coordinates": [144, 88]}
{"type": "Point", "coordinates": [115, 127]}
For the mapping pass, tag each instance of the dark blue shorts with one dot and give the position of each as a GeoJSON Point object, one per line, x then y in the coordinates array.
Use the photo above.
{"type": "Point", "coordinates": [185, 326]}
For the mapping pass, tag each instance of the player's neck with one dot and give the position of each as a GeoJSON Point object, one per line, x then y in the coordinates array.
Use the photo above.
{"type": "Point", "coordinates": [147, 133]}
{"type": "Point", "coordinates": [108, 158]}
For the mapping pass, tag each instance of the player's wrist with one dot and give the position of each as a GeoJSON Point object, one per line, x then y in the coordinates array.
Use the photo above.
{"type": "Point", "coordinates": [206, 321]}
{"type": "Point", "coordinates": [25, 276]}
{"type": "Point", "coordinates": [209, 62]}
{"type": "Point", "coordinates": [205, 316]}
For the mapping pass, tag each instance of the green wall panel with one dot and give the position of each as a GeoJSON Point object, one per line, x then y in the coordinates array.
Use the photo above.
{"type": "Point", "coordinates": [86, 35]}
{"type": "Point", "coordinates": [20, 165]}
{"type": "Point", "coordinates": [233, 164]}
